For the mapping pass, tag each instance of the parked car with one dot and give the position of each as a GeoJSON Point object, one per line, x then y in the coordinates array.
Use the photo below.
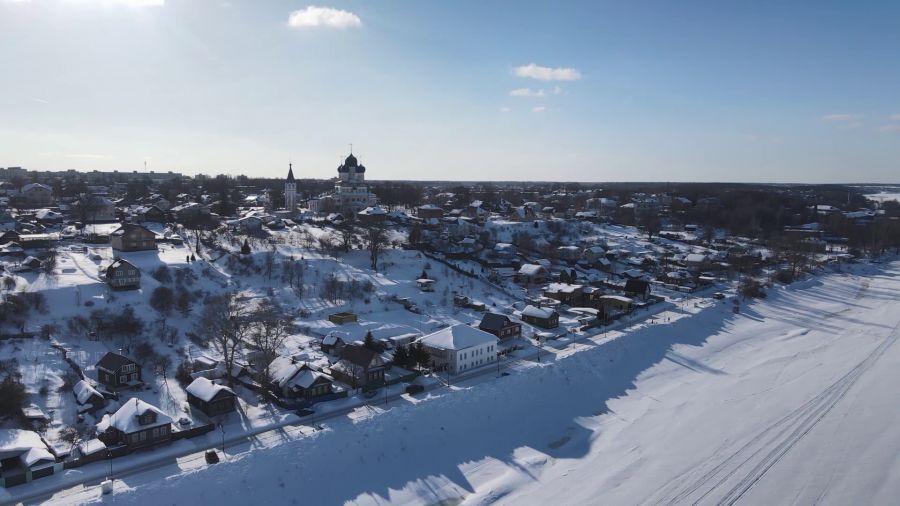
{"type": "Point", "coordinates": [414, 389]}
{"type": "Point", "coordinates": [212, 457]}
{"type": "Point", "coordinates": [718, 295]}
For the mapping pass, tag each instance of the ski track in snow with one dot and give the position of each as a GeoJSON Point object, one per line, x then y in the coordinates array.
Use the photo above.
{"type": "Point", "coordinates": [746, 466]}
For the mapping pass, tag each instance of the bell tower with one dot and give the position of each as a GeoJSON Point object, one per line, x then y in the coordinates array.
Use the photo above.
{"type": "Point", "coordinates": [290, 190]}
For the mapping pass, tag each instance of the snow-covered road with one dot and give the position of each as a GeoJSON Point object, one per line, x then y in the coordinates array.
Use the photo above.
{"type": "Point", "coordinates": [791, 401]}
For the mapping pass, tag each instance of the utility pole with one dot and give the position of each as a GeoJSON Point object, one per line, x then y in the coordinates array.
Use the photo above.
{"type": "Point", "coordinates": [222, 428]}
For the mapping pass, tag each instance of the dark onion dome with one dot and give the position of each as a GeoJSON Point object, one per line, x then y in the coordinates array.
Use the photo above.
{"type": "Point", "coordinates": [343, 168]}
{"type": "Point", "coordinates": [361, 168]}
{"type": "Point", "coordinates": [350, 161]}
{"type": "Point", "coordinates": [290, 177]}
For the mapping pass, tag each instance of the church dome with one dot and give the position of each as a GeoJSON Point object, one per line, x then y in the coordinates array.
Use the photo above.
{"type": "Point", "coordinates": [360, 169]}
{"type": "Point", "coordinates": [350, 161]}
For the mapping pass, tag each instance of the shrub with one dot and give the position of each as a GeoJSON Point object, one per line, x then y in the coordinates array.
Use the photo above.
{"type": "Point", "coordinates": [751, 288]}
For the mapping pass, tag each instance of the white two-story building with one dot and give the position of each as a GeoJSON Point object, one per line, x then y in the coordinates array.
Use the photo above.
{"type": "Point", "coordinates": [460, 348]}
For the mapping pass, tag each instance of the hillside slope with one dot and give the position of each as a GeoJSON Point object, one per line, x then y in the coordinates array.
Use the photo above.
{"type": "Point", "coordinates": [789, 401]}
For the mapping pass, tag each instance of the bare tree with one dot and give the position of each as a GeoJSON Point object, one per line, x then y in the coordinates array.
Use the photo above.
{"type": "Point", "coordinates": [226, 320]}
{"type": "Point", "coordinates": [269, 263]}
{"type": "Point", "coordinates": [270, 330]}
{"type": "Point", "coordinates": [86, 206]}
{"type": "Point", "coordinates": [377, 240]}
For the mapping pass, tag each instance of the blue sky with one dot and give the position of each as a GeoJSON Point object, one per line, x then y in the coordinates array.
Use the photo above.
{"type": "Point", "coordinates": [646, 91]}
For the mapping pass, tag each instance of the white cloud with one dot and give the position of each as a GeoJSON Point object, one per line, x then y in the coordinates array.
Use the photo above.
{"type": "Point", "coordinates": [504, 109]}
{"type": "Point", "coordinates": [313, 16]}
{"type": "Point", "coordinates": [894, 117]}
{"type": "Point", "coordinates": [40, 100]}
{"type": "Point", "coordinates": [526, 92]}
{"type": "Point", "coordinates": [535, 71]}
{"type": "Point", "coordinates": [841, 117]}
{"type": "Point", "coordinates": [844, 120]}
{"type": "Point", "coordinates": [538, 108]}
{"type": "Point", "coordinates": [890, 128]}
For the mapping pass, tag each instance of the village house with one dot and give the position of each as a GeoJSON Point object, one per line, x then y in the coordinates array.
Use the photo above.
{"type": "Point", "coordinates": [24, 456]}
{"type": "Point", "coordinates": [429, 211]}
{"type": "Point", "coordinates": [37, 194]}
{"type": "Point", "coordinates": [532, 274]}
{"type": "Point", "coordinates": [360, 367]}
{"type": "Point", "coordinates": [616, 304]}
{"type": "Point", "coordinates": [696, 262]}
{"type": "Point", "coordinates": [371, 215]}
{"type": "Point", "coordinates": [132, 237]}
{"type": "Point", "coordinates": [136, 424]}
{"type": "Point", "coordinates": [210, 398]}
{"type": "Point", "coordinates": [565, 293]}
{"type": "Point", "coordinates": [637, 288]}
{"type": "Point", "coordinates": [122, 275]}
{"type": "Point", "coordinates": [88, 397]}
{"type": "Point", "coordinates": [540, 316]}
{"type": "Point", "coordinates": [568, 253]}
{"type": "Point", "coordinates": [117, 371]}
{"type": "Point", "coordinates": [500, 325]}
{"type": "Point", "coordinates": [593, 255]}
{"type": "Point", "coordinates": [460, 348]}
{"type": "Point", "coordinates": [331, 343]}
{"type": "Point", "coordinates": [100, 210]}
{"type": "Point", "coordinates": [425, 284]}
{"type": "Point", "coordinates": [151, 214]}
{"type": "Point", "coordinates": [292, 379]}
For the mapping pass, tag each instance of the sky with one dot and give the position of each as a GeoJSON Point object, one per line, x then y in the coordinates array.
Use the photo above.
{"type": "Point", "coordinates": [465, 90]}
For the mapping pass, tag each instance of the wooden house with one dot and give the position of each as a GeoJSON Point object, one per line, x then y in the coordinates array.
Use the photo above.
{"type": "Point", "coordinates": [360, 367]}
{"type": "Point", "coordinates": [136, 424]}
{"type": "Point", "coordinates": [132, 237]}
{"type": "Point", "coordinates": [540, 316]}
{"type": "Point", "coordinates": [292, 379]}
{"type": "Point", "coordinates": [210, 398]}
{"type": "Point", "coordinates": [637, 288]}
{"type": "Point", "coordinates": [500, 325]}
{"type": "Point", "coordinates": [123, 275]}
{"type": "Point", "coordinates": [116, 371]}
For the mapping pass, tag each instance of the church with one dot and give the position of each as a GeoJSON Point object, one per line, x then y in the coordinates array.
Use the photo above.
{"type": "Point", "coordinates": [350, 192]}
{"type": "Point", "coordinates": [290, 190]}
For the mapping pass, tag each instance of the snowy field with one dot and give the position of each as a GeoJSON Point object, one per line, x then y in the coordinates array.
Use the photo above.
{"type": "Point", "coordinates": [884, 195]}
{"type": "Point", "coordinates": [785, 402]}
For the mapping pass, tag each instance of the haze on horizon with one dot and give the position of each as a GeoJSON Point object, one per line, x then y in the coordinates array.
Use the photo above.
{"type": "Point", "coordinates": [506, 90]}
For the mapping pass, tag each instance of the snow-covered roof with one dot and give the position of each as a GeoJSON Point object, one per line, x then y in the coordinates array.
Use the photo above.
{"type": "Point", "coordinates": [25, 444]}
{"type": "Point", "coordinates": [537, 312]}
{"type": "Point", "coordinates": [617, 298]}
{"type": "Point", "coordinates": [373, 211]}
{"type": "Point", "coordinates": [206, 390]}
{"type": "Point", "coordinates": [530, 269]}
{"type": "Point", "coordinates": [458, 337]}
{"type": "Point", "coordinates": [563, 288]}
{"type": "Point", "coordinates": [126, 418]}
{"type": "Point", "coordinates": [84, 391]}
{"type": "Point", "coordinates": [32, 186]}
